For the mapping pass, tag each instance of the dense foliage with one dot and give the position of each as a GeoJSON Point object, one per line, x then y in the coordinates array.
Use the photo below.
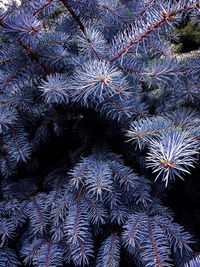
{"type": "Point", "coordinates": [99, 119]}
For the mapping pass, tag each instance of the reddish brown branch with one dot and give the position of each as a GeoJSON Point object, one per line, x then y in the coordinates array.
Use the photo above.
{"type": "Point", "coordinates": [42, 7]}
{"type": "Point", "coordinates": [34, 56]}
{"type": "Point", "coordinates": [74, 15]}
{"type": "Point", "coordinates": [7, 60]}
{"type": "Point", "coordinates": [29, 50]}
{"type": "Point", "coordinates": [151, 237]}
{"type": "Point", "coordinates": [155, 47]}
{"type": "Point", "coordinates": [165, 18]}
{"type": "Point", "coordinates": [146, 7]}
{"type": "Point", "coordinates": [192, 7]}
{"type": "Point", "coordinates": [139, 38]}
{"type": "Point", "coordinates": [115, 14]}
{"type": "Point", "coordinates": [17, 143]}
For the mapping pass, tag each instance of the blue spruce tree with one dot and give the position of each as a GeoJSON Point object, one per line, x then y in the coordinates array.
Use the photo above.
{"type": "Point", "coordinates": [104, 80]}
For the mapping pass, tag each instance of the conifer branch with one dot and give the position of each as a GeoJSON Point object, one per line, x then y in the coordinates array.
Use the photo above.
{"type": "Point", "coordinates": [29, 50]}
{"type": "Point", "coordinates": [76, 17]}
{"type": "Point", "coordinates": [42, 7]}
{"type": "Point", "coordinates": [149, 29]}
{"type": "Point", "coordinates": [35, 57]}
{"type": "Point", "coordinates": [78, 202]}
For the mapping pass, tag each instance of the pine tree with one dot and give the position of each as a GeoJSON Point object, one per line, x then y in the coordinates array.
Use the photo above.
{"type": "Point", "coordinates": [106, 76]}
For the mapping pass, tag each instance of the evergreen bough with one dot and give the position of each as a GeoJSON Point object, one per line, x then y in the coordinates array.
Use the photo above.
{"type": "Point", "coordinates": [64, 66]}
